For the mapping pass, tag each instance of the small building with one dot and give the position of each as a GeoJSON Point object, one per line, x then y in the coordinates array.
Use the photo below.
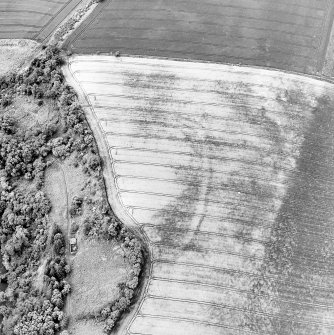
{"type": "Point", "coordinates": [73, 245]}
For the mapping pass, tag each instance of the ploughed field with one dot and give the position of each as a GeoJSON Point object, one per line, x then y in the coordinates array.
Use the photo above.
{"type": "Point", "coordinates": [285, 34]}
{"type": "Point", "coordinates": [229, 173]}
{"type": "Point", "coordinates": [32, 19]}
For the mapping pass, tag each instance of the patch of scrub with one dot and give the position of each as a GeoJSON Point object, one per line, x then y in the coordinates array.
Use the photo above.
{"type": "Point", "coordinates": [15, 53]}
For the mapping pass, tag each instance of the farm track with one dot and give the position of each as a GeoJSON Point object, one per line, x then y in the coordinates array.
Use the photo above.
{"type": "Point", "coordinates": [36, 19]}
{"type": "Point", "coordinates": [265, 33]}
{"type": "Point", "coordinates": [210, 212]}
{"type": "Point", "coordinates": [67, 229]}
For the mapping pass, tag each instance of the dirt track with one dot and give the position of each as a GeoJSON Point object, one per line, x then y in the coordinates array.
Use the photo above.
{"type": "Point", "coordinates": [279, 34]}
{"type": "Point", "coordinates": [227, 171]}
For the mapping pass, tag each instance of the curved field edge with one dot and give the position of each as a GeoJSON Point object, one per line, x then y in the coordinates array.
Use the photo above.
{"type": "Point", "coordinates": [113, 196]}
{"type": "Point", "coordinates": [130, 92]}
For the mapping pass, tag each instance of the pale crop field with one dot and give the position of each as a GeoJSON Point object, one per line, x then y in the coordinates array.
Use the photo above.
{"type": "Point", "coordinates": [227, 171]}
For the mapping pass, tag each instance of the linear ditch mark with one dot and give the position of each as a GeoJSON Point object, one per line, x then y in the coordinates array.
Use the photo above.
{"type": "Point", "coordinates": [291, 115]}
{"type": "Point", "coordinates": [169, 125]}
{"type": "Point", "coordinates": [264, 242]}
{"type": "Point", "coordinates": [221, 143]}
{"type": "Point", "coordinates": [194, 168]}
{"type": "Point", "coordinates": [220, 187]}
{"type": "Point", "coordinates": [247, 331]}
{"type": "Point", "coordinates": [233, 236]}
{"type": "Point", "coordinates": [221, 172]}
{"type": "Point", "coordinates": [254, 189]}
{"type": "Point", "coordinates": [143, 315]}
{"type": "Point", "coordinates": [203, 103]}
{"type": "Point", "coordinates": [176, 247]}
{"type": "Point", "coordinates": [224, 159]}
{"type": "Point", "coordinates": [250, 223]}
{"type": "Point", "coordinates": [204, 232]}
{"type": "Point", "coordinates": [141, 84]}
{"type": "Point", "coordinates": [218, 142]}
{"type": "Point", "coordinates": [252, 275]}
{"type": "Point", "coordinates": [227, 200]}
{"type": "Point", "coordinates": [300, 257]}
{"type": "Point", "coordinates": [167, 69]}
{"type": "Point", "coordinates": [238, 290]}
{"type": "Point", "coordinates": [234, 308]}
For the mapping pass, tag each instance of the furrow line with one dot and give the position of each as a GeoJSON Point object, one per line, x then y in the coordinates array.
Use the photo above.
{"type": "Point", "coordinates": [233, 308]}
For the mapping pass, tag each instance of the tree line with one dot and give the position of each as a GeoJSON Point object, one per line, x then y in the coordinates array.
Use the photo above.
{"type": "Point", "coordinates": [25, 233]}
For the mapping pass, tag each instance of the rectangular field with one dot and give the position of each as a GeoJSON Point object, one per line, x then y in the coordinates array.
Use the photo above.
{"type": "Point", "coordinates": [290, 35]}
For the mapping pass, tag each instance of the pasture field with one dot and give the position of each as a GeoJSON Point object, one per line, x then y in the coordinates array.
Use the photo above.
{"type": "Point", "coordinates": [99, 265]}
{"type": "Point", "coordinates": [228, 173]}
{"type": "Point", "coordinates": [272, 33]}
{"type": "Point", "coordinates": [33, 19]}
{"type": "Point", "coordinates": [94, 291]}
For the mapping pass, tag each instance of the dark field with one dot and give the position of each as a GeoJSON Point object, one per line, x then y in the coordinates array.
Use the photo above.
{"type": "Point", "coordinates": [284, 34]}
{"type": "Point", "coordinates": [32, 19]}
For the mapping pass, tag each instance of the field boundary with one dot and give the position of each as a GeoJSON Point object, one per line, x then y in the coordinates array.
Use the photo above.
{"type": "Point", "coordinates": [85, 24]}
{"type": "Point", "coordinates": [320, 77]}
{"type": "Point", "coordinates": [56, 20]}
{"type": "Point", "coordinates": [113, 197]}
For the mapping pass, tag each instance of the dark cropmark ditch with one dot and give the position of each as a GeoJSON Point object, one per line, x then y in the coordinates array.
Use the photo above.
{"type": "Point", "coordinates": [184, 208]}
